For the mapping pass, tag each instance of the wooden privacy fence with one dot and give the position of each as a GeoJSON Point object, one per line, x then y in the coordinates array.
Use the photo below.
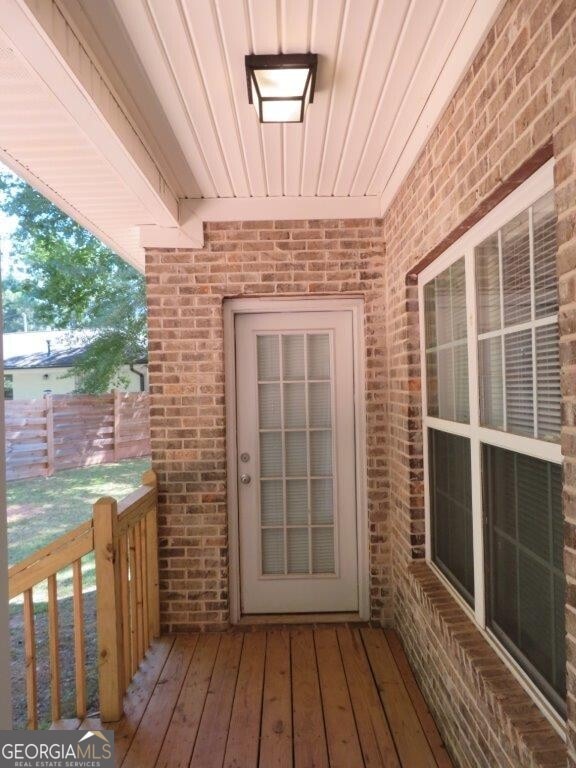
{"type": "Point", "coordinates": [123, 536]}
{"type": "Point", "coordinates": [68, 431]}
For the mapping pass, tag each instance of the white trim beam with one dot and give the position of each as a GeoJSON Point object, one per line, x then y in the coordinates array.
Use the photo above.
{"type": "Point", "coordinates": [280, 208]}
{"type": "Point", "coordinates": [42, 36]}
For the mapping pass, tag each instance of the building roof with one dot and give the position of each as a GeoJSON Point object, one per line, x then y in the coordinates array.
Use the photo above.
{"type": "Point", "coordinates": [46, 349]}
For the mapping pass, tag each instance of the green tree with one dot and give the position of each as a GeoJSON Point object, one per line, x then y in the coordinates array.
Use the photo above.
{"type": "Point", "coordinates": [75, 282]}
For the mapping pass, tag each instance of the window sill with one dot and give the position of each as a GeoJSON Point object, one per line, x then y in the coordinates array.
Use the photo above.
{"type": "Point", "coordinates": [495, 688]}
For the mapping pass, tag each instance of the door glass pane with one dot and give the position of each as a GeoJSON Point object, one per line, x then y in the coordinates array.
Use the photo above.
{"type": "Point", "coordinates": [318, 356]}
{"type": "Point", "coordinates": [319, 404]}
{"type": "Point", "coordinates": [298, 550]}
{"type": "Point", "coordinates": [272, 502]}
{"type": "Point", "coordinates": [272, 550]}
{"type": "Point", "coordinates": [297, 502]}
{"type": "Point", "coordinates": [322, 502]}
{"type": "Point", "coordinates": [268, 354]}
{"type": "Point", "coordinates": [296, 454]}
{"type": "Point", "coordinates": [271, 454]}
{"type": "Point", "coordinates": [269, 406]}
{"type": "Point", "coordinates": [320, 453]}
{"type": "Point", "coordinates": [295, 405]}
{"type": "Point", "coordinates": [293, 357]}
{"type": "Point", "coordinates": [323, 550]}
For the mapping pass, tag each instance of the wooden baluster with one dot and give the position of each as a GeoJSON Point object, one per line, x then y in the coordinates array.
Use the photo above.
{"type": "Point", "coordinates": [125, 598]}
{"type": "Point", "coordinates": [54, 647]}
{"type": "Point", "coordinates": [133, 603]}
{"type": "Point", "coordinates": [30, 651]}
{"type": "Point", "coordinates": [79, 647]}
{"type": "Point", "coordinates": [108, 610]}
{"type": "Point", "coordinates": [143, 560]}
{"type": "Point", "coordinates": [138, 574]}
{"type": "Point", "coordinates": [150, 478]}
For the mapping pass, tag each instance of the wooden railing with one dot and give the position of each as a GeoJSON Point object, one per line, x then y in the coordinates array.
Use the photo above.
{"type": "Point", "coordinates": [128, 610]}
{"type": "Point", "coordinates": [123, 536]}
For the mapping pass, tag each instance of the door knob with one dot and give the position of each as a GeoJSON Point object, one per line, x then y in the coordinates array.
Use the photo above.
{"type": "Point", "coordinates": [245, 479]}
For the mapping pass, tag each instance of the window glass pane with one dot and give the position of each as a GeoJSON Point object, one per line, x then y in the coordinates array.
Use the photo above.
{"type": "Point", "coordinates": [458, 297]}
{"type": "Point", "coordinates": [488, 284]}
{"type": "Point", "coordinates": [516, 270]}
{"type": "Point", "coordinates": [545, 248]}
{"type": "Point", "coordinates": [525, 583]}
{"type": "Point", "coordinates": [451, 509]}
{"type": "Point", "coordinates": [519, 389]}
{"type": "Point", "coordinates": [549, 395]}
{"type": "Point", "coordinates": [491, 383]}
{"type": "Point", "coordinates": [446, 345]}
{"type": "Point", "coordinates": [430, 314]}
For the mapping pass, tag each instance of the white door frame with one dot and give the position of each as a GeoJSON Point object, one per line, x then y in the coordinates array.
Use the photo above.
{"type": "Point", "coordinates": [355, 306]}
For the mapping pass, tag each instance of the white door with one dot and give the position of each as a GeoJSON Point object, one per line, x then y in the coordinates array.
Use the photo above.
{"type": "Point", "coordinates": [296, 462]}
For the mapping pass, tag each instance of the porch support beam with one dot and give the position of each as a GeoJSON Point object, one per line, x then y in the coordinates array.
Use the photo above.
{"type": "Point", "coordinates": [279, 208]}
{"type": "Point", "coordinates": [5, 699]}
{"type": "Point", "coordinates": [42, 35]}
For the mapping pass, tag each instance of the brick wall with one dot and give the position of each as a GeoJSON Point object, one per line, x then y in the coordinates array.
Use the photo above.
{"type": "Point", "coordinates": [517, 98]}
{"type": "Point", "coordinates": [186, 290]}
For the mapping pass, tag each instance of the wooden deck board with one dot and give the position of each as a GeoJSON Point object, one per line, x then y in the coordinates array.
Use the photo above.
{"type": "Point", "coordinates": [276, 697]}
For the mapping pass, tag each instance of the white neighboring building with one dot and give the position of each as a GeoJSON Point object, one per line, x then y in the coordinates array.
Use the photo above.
{"type": "Point", "coordinates": [37, 363]}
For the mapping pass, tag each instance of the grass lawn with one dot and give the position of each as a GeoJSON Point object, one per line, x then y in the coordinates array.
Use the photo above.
{"type": "Point", "coordinates": [39, 511]}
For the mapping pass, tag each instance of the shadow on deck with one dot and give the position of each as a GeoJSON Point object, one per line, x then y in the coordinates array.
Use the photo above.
{"type": "Point", "coordinates": [309, 697]}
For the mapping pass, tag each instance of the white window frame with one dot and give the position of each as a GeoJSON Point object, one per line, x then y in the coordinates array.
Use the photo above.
{"type": "Point", "coordinates": [535, 187]}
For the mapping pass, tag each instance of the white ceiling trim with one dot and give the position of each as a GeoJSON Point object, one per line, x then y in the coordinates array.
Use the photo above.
{"type": "Point", "coordinates": [280, 208]}
{"type": "Point", "coordinates": [482, 16]}
{"type": "Point", "coordinates": [43, 37]}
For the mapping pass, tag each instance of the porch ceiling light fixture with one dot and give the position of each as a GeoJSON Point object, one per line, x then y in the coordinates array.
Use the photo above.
{"type": "Point", "coordinates": [281, 85]}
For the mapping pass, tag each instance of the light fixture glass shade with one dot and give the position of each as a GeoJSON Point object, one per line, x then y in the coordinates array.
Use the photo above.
{"type": "Point", "coordinates": [281, 86]}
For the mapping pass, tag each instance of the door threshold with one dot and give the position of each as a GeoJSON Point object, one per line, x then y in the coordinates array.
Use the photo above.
{"type": "Point", "coordinates": [299, 618]}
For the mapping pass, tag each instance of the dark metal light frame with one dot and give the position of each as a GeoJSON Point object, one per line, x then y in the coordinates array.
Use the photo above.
{"type": "Point", "coordinates": [280, 61]}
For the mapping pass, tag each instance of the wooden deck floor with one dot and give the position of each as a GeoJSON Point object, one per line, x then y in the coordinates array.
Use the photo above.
{"type": "Point", "coordinates": [306, 697]}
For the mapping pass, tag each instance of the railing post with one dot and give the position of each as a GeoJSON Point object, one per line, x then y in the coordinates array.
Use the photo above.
{"type": "Point", "coordinates": [108, 610]}
{"type": "Point", "coordinates": [150, 478]}
{"type": "Point", "coordinates": [50, 452]}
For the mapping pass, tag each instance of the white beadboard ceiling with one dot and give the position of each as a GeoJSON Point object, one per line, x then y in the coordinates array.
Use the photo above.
{"type": "Point", "coordinates": [174, 71]}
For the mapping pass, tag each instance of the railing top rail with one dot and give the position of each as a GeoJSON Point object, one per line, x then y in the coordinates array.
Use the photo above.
{"type": "Point", "coordinates": [135, 506]}
{"type": "Point", "coordinates": [51, 559]}
{"type": "Point", "coordinates": [50, 548]}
